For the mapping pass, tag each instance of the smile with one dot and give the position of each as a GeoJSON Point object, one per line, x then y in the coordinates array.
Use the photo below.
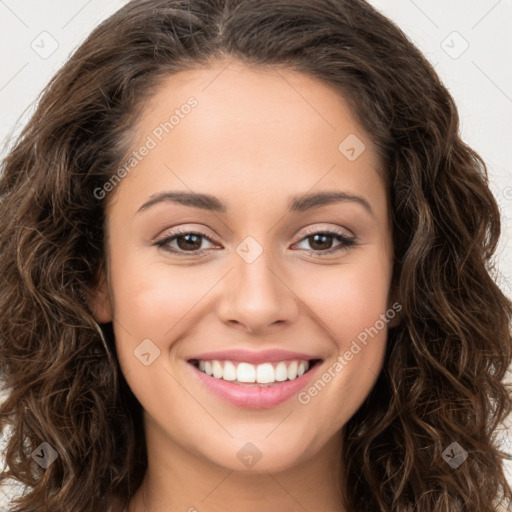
{"type": "Point", "coordinates": [246, 373]}
{"type": "Point", "coordinates": [270, 379]}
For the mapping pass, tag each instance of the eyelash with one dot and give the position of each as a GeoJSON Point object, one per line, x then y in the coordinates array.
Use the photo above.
{"type": "Point", "coordinates": [347, 241]}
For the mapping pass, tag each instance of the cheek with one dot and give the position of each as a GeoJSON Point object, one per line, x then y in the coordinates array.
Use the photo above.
{"type": "Point", "coordinates": [349, 302]}
{"type": "Point", "coordinates": [350, 297]}
{"type": "Point", "coordinates": [151, 298]}
{"type": "Point", "coordinates": [156, 300]}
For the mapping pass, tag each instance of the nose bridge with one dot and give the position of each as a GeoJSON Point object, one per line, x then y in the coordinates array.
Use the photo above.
{"type": "Point", "coordinates": [254, 293]}
{"type": "Point", "coordinates": [257, 280]}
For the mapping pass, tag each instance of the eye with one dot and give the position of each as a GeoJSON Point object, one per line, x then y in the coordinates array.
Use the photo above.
{"type": "Point", "coordinates": [187, 242]}
{"type": "Point", "coordinates": [321, 241]}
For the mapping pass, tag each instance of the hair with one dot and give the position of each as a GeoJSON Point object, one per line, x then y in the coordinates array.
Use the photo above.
{"type": "Point", "coordinates": [442, 377]}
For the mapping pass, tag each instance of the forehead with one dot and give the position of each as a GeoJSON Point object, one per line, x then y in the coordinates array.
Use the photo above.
{"type": "Point", "coordinates": [251, 130]}
{"type": "Point", "coordinates": [236, 99]}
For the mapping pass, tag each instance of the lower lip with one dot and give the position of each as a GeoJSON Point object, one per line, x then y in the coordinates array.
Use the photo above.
{"type": "Point", "coordinates": [255, 397]}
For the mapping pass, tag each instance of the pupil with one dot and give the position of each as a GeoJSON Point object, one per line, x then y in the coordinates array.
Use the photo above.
{"type": "Point", "coordinates": [325, 244]}
{"type": "Point", "coordinates": [195, 244]}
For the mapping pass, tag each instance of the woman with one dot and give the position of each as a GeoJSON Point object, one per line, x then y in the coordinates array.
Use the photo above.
{"type": "Point", "coordinates": [332, 341]}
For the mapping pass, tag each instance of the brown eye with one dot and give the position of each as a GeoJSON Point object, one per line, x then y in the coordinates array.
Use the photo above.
{"type": "Point", "coordinates": [186, 242]}
{"type": "Point", "coordinates": [321, 242]}
{"type": "Point", "coordinates": [191, 241]}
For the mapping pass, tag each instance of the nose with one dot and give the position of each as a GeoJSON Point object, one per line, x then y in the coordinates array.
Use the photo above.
{"type": "Point", "coordinates": [256, 296]}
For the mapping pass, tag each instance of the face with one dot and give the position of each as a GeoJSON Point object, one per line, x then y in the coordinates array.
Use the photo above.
{"type": "Point", "coordinates": [284, 268]}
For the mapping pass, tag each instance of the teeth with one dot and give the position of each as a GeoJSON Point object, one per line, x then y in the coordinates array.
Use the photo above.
{"type": "Point", "coordinates": [245, 373]}
{"type": "Point", "coordinates": [292, 370]}
{"type": "Point", "coordinates": [217, 369]}
{"type": "Point", "coordinates": [265, 373]}
{"type": "Point", "coordinates": [281, 372]}
{"type": "Point", "coordinates": [229, 371]}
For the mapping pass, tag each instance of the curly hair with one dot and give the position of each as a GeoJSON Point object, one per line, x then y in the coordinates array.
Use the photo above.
{"type": "Point", "coordinates": [442, 378]}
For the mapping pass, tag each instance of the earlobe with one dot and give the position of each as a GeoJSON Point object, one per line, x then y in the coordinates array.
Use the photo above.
{"type": "Point", "coordinates": [99, 301]}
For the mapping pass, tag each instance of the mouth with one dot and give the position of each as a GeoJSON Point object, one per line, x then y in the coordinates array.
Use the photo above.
{"type": "Point", "coordinates": [262, 375]}
{"type": "Point", "coordinates": [259, 385]}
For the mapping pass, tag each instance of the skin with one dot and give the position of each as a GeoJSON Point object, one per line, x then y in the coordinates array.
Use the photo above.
{"type": "Point", "coordinates": [256, 138]}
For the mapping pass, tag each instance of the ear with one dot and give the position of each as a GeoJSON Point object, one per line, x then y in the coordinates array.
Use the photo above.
{"type": "Point", "coordinates": [99, 301]}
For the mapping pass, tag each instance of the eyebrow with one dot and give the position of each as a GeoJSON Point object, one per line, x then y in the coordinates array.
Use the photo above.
{"type": "Point", "coordinates": [297, 204]}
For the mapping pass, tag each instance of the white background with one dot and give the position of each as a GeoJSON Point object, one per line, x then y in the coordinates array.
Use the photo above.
{"type": "Point", "coordinates": [468, 42]}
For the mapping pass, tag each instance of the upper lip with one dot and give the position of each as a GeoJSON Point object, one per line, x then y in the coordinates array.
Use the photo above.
{"type": "Point", "coordinates": [249, 356]}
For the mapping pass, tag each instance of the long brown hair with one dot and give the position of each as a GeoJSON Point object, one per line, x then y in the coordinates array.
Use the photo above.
{"type": "Point", "coordinates": [442, 379]}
